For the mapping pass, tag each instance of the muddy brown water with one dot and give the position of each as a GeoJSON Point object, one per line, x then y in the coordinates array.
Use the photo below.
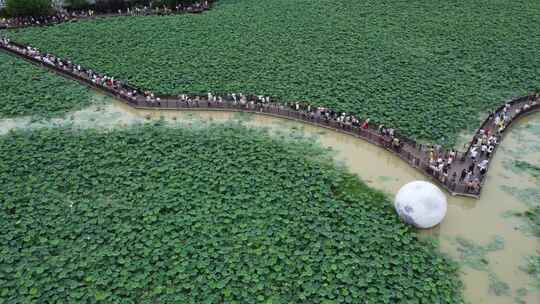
{"type": "Point", "coordinates": [478, 221]}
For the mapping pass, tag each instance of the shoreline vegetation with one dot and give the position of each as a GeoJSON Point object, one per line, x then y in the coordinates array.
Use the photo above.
{"type": "Point", "coordinates": [252, 218]}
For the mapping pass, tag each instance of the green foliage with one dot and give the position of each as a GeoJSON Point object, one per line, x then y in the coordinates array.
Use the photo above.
{"type": "Point", "coordinates": [77, 4]}
{"type": "Point", "coordinates": [532, 220]}
{"type": "Point", "coordinates": [523, 166]}
{"type": "Point", "coordinates": [28, 7]}
{"type": "Point", "coordinates": [427, 67]}
{"type": "Point", "coordinates": [497, 286]}
{"type": "Point", "coordinates": [529, 196]}
{"type": "Point", "coordinates": [532, 267]}
{"type": "Point", "coordinates": [223, 214]}
{"type": "Point", "coordinates": [474, 255]}
{"type": "Point", "coordinates": [110, 5]}
{"type": "Point", "coordinates": [169, 3]}
{"type": "Point", "coordinates": [29, 90]}
{"type": "Point", "coordinates": [520, 294]}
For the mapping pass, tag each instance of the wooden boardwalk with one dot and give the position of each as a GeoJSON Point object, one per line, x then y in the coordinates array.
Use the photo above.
{"type": "Point", "coordinates": [432, 161]}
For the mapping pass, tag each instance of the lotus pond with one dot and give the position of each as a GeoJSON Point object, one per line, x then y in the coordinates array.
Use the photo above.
{"type": "Point", "coordinates": [492, 238]}
{"type": "Point", "coordinates": [209, 214]}
{"type": "Point", "coordinates": [26, 89]}
{"type": "Point", "coordinates": [427, 67]}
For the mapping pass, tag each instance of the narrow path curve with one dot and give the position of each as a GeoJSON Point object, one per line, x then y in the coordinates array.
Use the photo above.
{"type": "Point", "coordinates": [446, 168]}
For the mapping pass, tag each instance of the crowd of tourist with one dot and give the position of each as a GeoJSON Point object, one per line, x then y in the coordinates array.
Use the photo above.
{"type": "Point", "coordinates": [65, 16]}
{"type": "Point", "coordinates": [308, 111]}
{"type": "Point", "coordinates": [104, 81]}
{"type": "Point", "coordinates": [485, 141]}
{"type": "Point", "coordinates": [342, 119]}
{"type": "Point", "coordinates": [440, 163]}
{"type": "Point", "coordinates": [23, 21]}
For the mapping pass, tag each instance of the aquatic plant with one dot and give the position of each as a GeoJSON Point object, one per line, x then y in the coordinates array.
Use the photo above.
{"type": "Point", "coordinates": [474, 255]}
{"type": "Point", "coordinates": [529, 196]}
{"type": "Point", "coordinates": [386, 179]}
{"type": "Point", "coordinates": [520, 166]}
{"type": "Point", "coordinates": [426, 67]}
{"type": "Point", "coordinates": [29, 90]}
{"type": "Point", "coordinates": [520, 294]}
{"type": "Point", "coordinates": [531, 218]}
{"type": "Point", "coordinates": [497, 286]}
{"type": "Point", "coordinates": [532, 267]}
{"type": "Point", "coordinates": [219, 214]}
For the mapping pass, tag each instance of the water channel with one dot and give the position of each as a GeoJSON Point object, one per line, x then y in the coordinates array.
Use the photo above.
{"type": "Point", "coordinates": [491, 244]}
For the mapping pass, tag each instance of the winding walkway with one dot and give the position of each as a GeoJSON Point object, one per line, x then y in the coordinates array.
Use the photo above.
{"type": "Point", "coordinates": [415, 154]}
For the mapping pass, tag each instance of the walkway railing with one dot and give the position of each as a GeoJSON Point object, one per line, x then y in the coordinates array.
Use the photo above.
{"type": "Point", "coordinates": [415, 154]}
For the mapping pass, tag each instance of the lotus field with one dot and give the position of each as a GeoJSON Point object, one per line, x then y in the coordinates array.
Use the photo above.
{"type": "Point", "coordinates": [430, 68]}
{"type": "Point", "coordinates": [190, 212]}
{"type": "Point", "coordinates": [220, 214]}
{"type": "Point", "coordinates": [29, 90]}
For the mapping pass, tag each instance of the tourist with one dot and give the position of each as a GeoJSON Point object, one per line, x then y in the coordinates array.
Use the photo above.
{"type": "Point", "coordinates": [481, 132]}
{"type": "Point", "coordinates": [451, 157]}
{"type": "Point", "coordinates": [501, 129]}
{"type": "Point", "coordinates": [365, 124]}
{"type": "Point", "coordinates": [497, 120]}
{"type": "Point", "coordinates": [483, 148]}
{"type": "Point", "coordinates": [431, 157]}
{"type": "Point", "coordinates": [506, 118]}
{"type": "Point", "coordinates": [471, 167]}
{"type": "Point", "coordinates": [476, 185]}
{"type": "Point", "coordinates": [483, 166]}
{"type": "Point", "coordinates": [506, 107]}
{"type": "Point", "coordinates": [463, 174]}
{"type": "Point", "coordinates": [473, 153]}
{"type": "Point", "coordinates": [489, 151]}
{"type": "Point", "coordinates": [381, 129]}
{"type": "Point", "coordinates": [396, 144]}
{"type": "Point", "coordinates": [469, 185]}
{"type": "Point", "coordinates": [468, 177]}
{"type": "Point", "coordinates": [491, 114]}
{"type": "Point", "coordinates": [439, 168]}
{"type": "Point", "coordinates": [444, 174]}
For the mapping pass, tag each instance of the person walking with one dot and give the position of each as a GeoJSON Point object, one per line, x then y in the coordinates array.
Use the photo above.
{"type": "Point", "coordinates": [463, 174]}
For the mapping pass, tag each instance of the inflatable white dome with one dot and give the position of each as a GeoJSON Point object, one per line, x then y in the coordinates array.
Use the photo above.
{"type": "Point", "coordinates": [421, 204]}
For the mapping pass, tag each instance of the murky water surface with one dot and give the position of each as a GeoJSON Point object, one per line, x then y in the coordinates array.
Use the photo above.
{"type": "Point", "coordinates": [491, 246]}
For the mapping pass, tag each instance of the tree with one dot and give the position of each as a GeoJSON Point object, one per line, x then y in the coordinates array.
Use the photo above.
{"type": "Point", "coordinates": [77, 4]}
{"type": "Point", "coordinates": [172, 3]}
{"type": "Point", "coordinates": [110, 5]}
{"type": "Point", "coordinates": [28, 7]}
